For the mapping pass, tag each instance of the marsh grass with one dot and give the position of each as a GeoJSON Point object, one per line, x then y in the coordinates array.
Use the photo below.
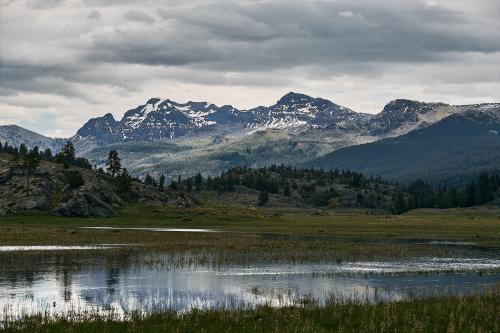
{"type": "Point", "coordinates": [473, 313]}
{"type": "Point", "coordinates": [270, 235]}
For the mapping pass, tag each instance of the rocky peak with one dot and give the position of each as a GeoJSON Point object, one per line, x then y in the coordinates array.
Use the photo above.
{"type": "Point", "coordinates": [101, 127]}
{"type": "Point", "coordinates": [402, 115]}
{"type": "Point", "coordinates": [295, 98]}
{"type": "Point", "coordinates": [406, 106]}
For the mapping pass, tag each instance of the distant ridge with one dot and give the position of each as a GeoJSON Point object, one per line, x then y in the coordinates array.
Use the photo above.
{"type": "Point", "coordinates": [15, 135]}
{"type": "Point", "coordinates": [449, 151]}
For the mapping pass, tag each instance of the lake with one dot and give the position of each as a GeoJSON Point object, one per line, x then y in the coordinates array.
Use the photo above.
{"type": "Point", "coordinates": [58, 280]}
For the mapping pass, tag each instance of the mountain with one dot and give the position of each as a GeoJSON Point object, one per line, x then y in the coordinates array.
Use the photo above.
{"type": "Point", "coordinates": [298, 112]}
{"type": "Point", "coordinates": [294, 113]}
{"type": "Point", "coordinates": [402, 116]}
{"type": "Point", "coordinates": [450, 150]}
{"type": "Point", "coordinates": [165, 136]}
{"type": "Point", "coordinates": [15, 135]}
{"type": "Point", "coordinates": [166, 119]}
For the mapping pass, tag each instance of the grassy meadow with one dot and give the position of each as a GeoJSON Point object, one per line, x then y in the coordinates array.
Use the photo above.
{"type": "Point", "coordinates": [247, 234]}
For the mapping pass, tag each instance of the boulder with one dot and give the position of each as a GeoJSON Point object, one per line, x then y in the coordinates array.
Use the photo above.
{"type": "Point", "coordinates": [85, 204]}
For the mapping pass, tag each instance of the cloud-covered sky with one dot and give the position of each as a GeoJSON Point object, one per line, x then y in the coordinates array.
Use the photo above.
{"type": "Point", "coordinates": [65, 61]}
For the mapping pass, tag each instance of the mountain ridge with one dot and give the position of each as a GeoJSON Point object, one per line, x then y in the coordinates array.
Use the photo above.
{"type": "Point", "coordinates": [164, 136]}
{"type": "Point", "coordinates": [15, 135]}
{"type": "Point", "coordinates": [450, 150]}
{"type": "Point", "coordinates": [294, 113]}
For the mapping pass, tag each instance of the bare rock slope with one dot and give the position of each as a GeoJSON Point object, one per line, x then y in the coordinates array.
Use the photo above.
{"type": "Point", "coordinates": [70, 192]}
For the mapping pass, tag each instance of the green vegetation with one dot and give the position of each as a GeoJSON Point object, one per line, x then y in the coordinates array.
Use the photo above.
{"type": "Point", "coordinates": [271, 215]}
{"type": "Point", "coordinates": [477, 313]}
{"type": "Point", "coordinates": [29, 158]}
{"type": "Point", "coordinates": [317, 188]}
{"type": "Point", "coordinates": [346, 189]}
{"type": "Point", "coordinates": [268, 234]}
{"type": "Point", "coordinates": [420, 194]}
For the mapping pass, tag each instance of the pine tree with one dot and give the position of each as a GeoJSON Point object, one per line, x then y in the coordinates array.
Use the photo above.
{"type": "Point", "coordinates": [263, 198]}
{"type": "Point", "coordinates": [114, 165]}
{"type": "Point", "coordinates": [23, 150]}
{"type": "Point", "coordinates": [162, 181]}
{"type": "Point", "coordinates": [67, 154]}
{"type": "Point", "coordinates": [30, 164]}
{"type": "Point", "coordinates": [198, 180]}
{"type": "Point", "coordinates": [287, 192]}
{"type": "Point", "coordinates": [124, 182]}
{"type": "Point", "coordinates": [399, 202]}
{"type": "Point", "coordinates": [47, 154]}
{"type": "Point", "coordinates": [148, 180]}
{"type": "Point", "coordinates": [470, 195]}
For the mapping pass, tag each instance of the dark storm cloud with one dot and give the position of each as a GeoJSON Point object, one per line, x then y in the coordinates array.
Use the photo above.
{"type": "Point", "coordinates": [248, 36]}
{"type": "Point", "coordinates": [100, 51]}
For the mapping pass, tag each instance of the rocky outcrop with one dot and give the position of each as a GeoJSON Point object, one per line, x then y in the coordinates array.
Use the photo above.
{"type": "Point", "coordinates": [86, 204]}
{"type": "Point", "coordinates": [70, 192]}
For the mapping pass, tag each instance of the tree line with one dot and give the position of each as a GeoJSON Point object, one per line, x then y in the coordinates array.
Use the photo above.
{"type": "Point", "coordinates": [315, 186]}
{"type": "Point", "coordinates": [419, 194]}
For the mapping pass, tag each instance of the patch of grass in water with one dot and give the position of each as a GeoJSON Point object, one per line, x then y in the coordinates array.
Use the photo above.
{"type": "Point", "coordinates": [270, 234]}
{"type": "Point", "coordinates": [476, 313]}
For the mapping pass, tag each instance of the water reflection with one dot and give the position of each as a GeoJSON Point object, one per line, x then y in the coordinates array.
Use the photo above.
{"type": "Point", "coordinates": [100, 281]}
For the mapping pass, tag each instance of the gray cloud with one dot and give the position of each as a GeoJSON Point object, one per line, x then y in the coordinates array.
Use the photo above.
{"type": "Point", "coordinates": [139, 16]}
{"type": "Point", "coordinates": [122, 51]}
{"type": "Point", "coordinates": [94, 15]}
{"type": "Point", "coordinates": [43, 4]}
{"type": "Point", "coordinates": [242, 36]}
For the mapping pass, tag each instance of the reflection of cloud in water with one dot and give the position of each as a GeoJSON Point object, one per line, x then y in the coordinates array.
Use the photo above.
{"type": "Point", "coordinates": [11, 248]}
{"type": "Point", "coordinates": [189, 230]}
{"type": "Point", "coordinates": [93, 283]}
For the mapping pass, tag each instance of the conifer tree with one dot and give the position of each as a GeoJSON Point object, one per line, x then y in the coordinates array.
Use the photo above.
{"type": "Point", "coordinates": [162, 181]}
{"type": "Point", "coordinates": [263, 198]}
{"type": "Point", "coordinates": [67, 154]}
{"type": "Point", "coordinates": [287, 191]}
{"type": "Point", "coordinates": [114, 165]}
{"type": "Point", "coordinates": [124, 182]}
{"type": "Point", "coordinates": [31, 161]}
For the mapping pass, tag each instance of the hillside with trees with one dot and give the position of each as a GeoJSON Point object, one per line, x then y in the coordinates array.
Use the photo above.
{"type": "Point", "coordinates": [450, 152]}
{"type": "Point", "coordinates": [32, 181]}
{"type": "Point", "coordinates": [340, 189]}
{"type": "Point", "coordinates": [63, 184]}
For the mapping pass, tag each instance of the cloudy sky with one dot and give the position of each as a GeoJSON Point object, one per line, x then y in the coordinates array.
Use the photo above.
{"type": "Point", "coordinates": [64, 61]}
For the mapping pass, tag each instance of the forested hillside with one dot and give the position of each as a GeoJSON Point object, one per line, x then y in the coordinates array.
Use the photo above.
{"type": "Point", "coordinates": [452, 152]}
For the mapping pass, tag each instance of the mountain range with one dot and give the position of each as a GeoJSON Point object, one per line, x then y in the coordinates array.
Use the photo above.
{"type": "Point", "coordinates": [294, 113]}
{"type": "Point", "coordinates": [164, 136]}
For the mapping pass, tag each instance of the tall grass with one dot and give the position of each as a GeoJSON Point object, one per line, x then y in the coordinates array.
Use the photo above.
{"type": "Point", "coordinates": [476, 313]}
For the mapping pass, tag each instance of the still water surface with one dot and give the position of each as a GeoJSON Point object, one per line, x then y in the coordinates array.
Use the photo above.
{"type": "Point", "coordinates": [61, 281]}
